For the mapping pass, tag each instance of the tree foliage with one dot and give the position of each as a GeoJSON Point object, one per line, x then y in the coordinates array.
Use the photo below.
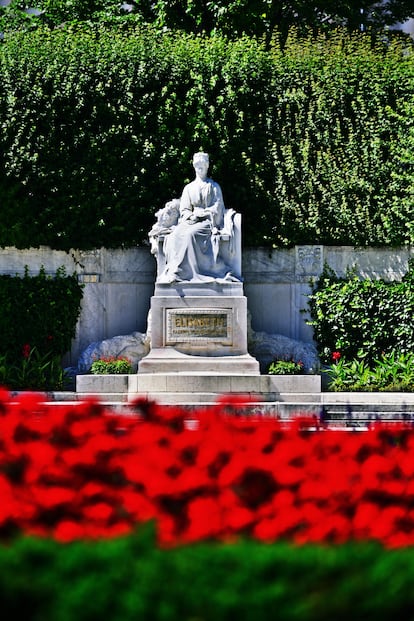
{"type": "Point", "coordinates": [233, 18]}
{"type": "Point", "coordinates": [262, 17]}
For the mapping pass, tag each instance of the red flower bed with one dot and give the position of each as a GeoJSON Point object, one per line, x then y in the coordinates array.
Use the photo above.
{"type": "Point", "coordinates": [80, 471]}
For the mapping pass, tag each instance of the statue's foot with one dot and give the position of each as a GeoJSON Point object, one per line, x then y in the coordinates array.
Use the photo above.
{"type": "Point", "coordinates": [229, 277]}
{"type": "Point", "coordinates": [168, 279]}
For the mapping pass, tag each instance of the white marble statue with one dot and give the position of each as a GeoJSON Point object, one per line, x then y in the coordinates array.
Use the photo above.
{"type": "Point", "coordinates": [192, 237]}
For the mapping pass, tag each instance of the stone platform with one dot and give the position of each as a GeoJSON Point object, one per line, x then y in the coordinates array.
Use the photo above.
{"type": "Point", "coordinates": [202, 387]}
{"type": "Point", "coordinates": [169, 361]}
{"type": "Point", "coordinates": [283, 396]}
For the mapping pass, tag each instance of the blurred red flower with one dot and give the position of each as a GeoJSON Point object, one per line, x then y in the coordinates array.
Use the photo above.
{"type": "Point", "coordinates": [80, 471]}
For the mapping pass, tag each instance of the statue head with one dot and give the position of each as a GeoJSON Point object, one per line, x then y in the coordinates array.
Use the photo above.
{"type": "Point", "coordinates": [200, 163]}
{"type": "Point", "coordinates": [200, 157]}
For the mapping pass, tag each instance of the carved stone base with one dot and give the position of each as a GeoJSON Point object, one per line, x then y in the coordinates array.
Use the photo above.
{"type": "Point", "coordinates": [199, 331]}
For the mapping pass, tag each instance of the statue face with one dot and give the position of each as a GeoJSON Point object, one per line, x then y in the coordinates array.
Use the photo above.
{"type": "Point", "coordinates": [201, 168]}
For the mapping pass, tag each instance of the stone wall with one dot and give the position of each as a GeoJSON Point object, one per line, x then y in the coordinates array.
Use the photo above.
{"type": "Point", "coordinates": [118, 284]}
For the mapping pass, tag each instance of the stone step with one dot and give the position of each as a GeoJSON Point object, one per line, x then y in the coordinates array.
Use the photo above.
{"type": "Point", "coordinates": [183, 398]}
{"type": "Point", "coordinates": [348, 413]}
{"type": "Point", "coordinates": [367, 398]}
{"type": "Point", "coordinates": [269, 387]}
{"type": "Point", "coordinates": [352, 409]}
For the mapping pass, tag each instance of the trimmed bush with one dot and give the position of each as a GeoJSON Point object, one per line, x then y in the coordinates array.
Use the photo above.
{"type": "Point", "coordinates": [311, 144]}
{"type": "Point", "coordinates": [362, 318]}
{"type": "Point", "coordinates": [38, 312]}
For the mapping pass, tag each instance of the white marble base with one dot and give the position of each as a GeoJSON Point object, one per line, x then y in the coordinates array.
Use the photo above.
{"type": "Point", "coordinates": [169, 360]}
{"type": "Point", "coordinates": [197, 328]}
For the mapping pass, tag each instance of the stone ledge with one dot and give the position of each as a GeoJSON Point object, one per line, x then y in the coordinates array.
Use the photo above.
{"type": "Point", "coordinates": [364, 398]}
{"type": "Point", "coordinates": [285, 406]}
{"type": "Point", "coordinates": [163, 386]}
{"type": "Point", "coordinates": [102, 384]}
{"type": "Point", "coordinates": [166, 361]}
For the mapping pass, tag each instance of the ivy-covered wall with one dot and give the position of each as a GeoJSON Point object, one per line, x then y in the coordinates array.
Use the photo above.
{"type": "Point", "coordinates": [312, 144]}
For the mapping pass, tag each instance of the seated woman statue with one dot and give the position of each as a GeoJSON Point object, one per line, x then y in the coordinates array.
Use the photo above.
{"type": "Point", "coordinates": [192, 248]}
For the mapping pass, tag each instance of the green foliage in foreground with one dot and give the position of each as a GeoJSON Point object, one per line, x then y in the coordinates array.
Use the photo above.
{"type": "Point", "coordinates": [130, 578]}
{"type": "Point", "coordinates": [33, 371]}
{"type": "Point", "coordinates": [312, 143]}
{"type": "Point", "coordinates": [392, 372]}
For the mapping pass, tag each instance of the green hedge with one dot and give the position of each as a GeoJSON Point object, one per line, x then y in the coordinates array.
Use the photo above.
{"type": "Point", "coordinates": [38, 311]}
{"type": "Point", "coordinates": [313, 144]}
{"type": "Point", "coordinates": [362, 318]}
{"type": "Point", "coordinates": [130, 578]}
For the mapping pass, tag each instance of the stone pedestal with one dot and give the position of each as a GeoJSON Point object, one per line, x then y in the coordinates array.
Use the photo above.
{"type": "Point", "coordinates": [199, 328]}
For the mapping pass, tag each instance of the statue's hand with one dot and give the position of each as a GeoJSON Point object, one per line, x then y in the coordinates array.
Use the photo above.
{"type": "Point", "coordinates": [199, 213]}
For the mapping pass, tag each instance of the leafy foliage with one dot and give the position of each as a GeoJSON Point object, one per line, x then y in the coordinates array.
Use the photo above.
{"type": "Point", "coordinates": [362, 318]}
{"type": "Point", "coordinates": [111, 365]}
{"type": "Point", "coordinates": [391, 372]}
{"type": "Point", "coordinates": [38, 313]}
{"type": "Point", "coordinates": [33, 371]}
{"type": "Point", "coordinates": [285, 367]}
{"type": "Point", "coordinates": [264, 17]}
{"type": "Point", "coordinates": [312, 144]}
{"type": "Point", "coordinates": [253, 17]}
{"type": "Point", "coordinates": [131, 578]}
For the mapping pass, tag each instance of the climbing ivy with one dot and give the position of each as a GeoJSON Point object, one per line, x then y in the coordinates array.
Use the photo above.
{"type": "Point", "coordinates": [312, 143]}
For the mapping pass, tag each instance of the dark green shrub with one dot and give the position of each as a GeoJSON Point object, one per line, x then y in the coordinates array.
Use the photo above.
{"type": "Point", "coordinates": [130, 578]}
{"type": "Point", "coordinates": [33, 371]}
{"type": "Point", "coordinates": [311, 144]}
{"type": "Point", "coordinates": [362, 318]}
{"type": "Point", "coordinates": [38, 312]}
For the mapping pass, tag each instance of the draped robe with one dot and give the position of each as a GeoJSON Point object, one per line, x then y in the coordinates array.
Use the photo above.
{"type": "Point", "coordinates": [191, 250]}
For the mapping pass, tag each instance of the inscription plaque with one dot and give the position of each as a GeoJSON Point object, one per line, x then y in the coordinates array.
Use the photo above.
{"type": "Point", "coordinates": [198, 325]}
